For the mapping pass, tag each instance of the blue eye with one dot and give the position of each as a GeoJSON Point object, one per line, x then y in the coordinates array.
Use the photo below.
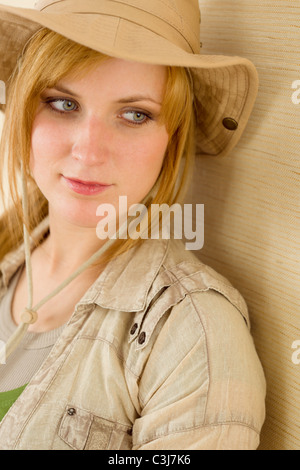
{"type": "Point", "coordinates": [60, 105]}
{"type": "Point", "coordinates": [135, 117]}
{"type": "Point", "coordinates": [64, 105]}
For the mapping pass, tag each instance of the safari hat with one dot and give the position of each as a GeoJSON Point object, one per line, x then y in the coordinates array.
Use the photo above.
{"type": "Point", "coordinates": [165, 32]}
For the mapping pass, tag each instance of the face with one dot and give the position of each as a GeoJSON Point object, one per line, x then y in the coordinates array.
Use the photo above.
{"type": "Point", "coordinates": [99, 137]}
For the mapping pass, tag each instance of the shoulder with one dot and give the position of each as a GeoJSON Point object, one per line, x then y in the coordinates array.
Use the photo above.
{"type": "Point", "coordinates": [196, 330]}
{"type": "Point", "coordinates": [183, 281]}
{"type": "Point", "coordinates": [197, 304]}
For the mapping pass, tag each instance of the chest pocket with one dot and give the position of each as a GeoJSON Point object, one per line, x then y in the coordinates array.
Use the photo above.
{"type": "Point", "coordinates": [82, 430]}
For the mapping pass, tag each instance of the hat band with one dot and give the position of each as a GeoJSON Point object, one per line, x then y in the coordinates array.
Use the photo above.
{"type": "Point", "coordinates": [146, 19]}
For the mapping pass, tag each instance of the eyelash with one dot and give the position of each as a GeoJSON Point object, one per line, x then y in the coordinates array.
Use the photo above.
{"type": "Point", "coordinates": [147, 119]}
{"type": "Point", "coordinates": [49, 101]}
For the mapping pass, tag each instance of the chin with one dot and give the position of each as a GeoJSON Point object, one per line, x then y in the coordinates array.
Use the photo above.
{"type": "Point", "coordinates": [79, 214]}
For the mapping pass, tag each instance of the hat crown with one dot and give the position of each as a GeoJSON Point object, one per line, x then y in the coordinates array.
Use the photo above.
{"type": "Point", "coordinates": [182, 16]}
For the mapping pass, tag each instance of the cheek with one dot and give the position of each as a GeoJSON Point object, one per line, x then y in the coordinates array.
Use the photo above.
{"type": "Point", "coordinates": [146, 158]}
{"type": "Point", "coordinates": [141, 167]}
{"type": "Point", "coordinates": [47, 143]}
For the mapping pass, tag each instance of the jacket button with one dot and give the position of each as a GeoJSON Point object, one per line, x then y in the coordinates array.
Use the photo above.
{"type": "Point", "coordinates": [133, 329]}
{"type": "Point", "coordinates": [71, 411]}
{"type": "Point", "coordinates": [142, 338]}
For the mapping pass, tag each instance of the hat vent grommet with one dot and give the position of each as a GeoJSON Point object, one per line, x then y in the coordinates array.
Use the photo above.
{"type": "Point", "coordinates": [230, 124]}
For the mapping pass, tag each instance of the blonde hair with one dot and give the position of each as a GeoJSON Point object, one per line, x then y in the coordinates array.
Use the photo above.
{"type": "Point", "coordinates": [47, 58]}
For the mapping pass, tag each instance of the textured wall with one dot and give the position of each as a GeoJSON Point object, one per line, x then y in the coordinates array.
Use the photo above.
{"type": "Point", "coordinates": [252, 197]}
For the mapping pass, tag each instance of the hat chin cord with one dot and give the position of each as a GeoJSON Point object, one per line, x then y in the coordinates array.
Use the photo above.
{"type": "Point", "coordinates": [30, 315]}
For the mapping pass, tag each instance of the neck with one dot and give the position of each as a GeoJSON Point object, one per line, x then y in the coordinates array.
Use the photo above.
{"type": "Point", "coordinates": [69, 246]}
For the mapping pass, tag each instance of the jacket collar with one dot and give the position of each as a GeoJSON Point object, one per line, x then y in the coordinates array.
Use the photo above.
{"type": "Point", "coordinates": [119, 286]}
{"type": "Point", "coordinates": [125, 282]}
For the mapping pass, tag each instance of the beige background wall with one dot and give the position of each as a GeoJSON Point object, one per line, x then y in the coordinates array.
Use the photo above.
{"type": "Point", "coordinates": [19, 3]}
{"type": "Point", "coordinates": [252, 198]}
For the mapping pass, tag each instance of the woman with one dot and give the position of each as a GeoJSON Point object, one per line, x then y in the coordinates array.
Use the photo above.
{"type": "Point", "coordinates": [129, 343]}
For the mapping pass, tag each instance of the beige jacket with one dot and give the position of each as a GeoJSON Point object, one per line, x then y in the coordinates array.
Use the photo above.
{"type": "Point", "coordinates": [157, 355]}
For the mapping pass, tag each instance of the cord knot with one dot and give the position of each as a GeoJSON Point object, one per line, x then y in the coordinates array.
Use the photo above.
{"type": "Point", "coordinates": [29, 316]}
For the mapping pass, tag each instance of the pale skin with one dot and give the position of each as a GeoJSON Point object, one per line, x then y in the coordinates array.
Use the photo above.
{"type": "Point", "coordinates": [109, 132]}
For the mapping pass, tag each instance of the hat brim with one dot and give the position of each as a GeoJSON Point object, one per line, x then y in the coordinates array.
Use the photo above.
{"type": "Point", "coordinates": [225, 87]}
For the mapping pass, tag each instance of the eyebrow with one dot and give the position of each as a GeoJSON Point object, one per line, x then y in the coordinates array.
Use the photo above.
{"type": "Point", "coordinates": [135, 98]}
{"type": "Point", "coordinates": [64, 90]}
{"type": "Point", "coordinates": [127, 99]}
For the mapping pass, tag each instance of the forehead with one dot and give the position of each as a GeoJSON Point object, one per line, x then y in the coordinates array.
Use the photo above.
{"type": "Point", "coordinates": [117, 76]}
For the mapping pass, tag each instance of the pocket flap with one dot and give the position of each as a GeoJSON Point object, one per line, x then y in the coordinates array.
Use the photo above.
{"type": "Point", "coordinates": [80, 429]}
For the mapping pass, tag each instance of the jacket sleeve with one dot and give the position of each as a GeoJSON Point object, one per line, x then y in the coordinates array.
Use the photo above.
{"type": "Point", "coordinates": [202, 386]}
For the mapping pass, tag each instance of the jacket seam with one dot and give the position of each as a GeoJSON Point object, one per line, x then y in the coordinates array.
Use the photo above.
{"type": "Point", "coordinates": [120, 357]}
{"type": "Point", "coordinates": [207, 355]}
{"type": "Point", "coordinates": [200, 426]}
{"type": "Point", "coordinates": [188, 294]}
{"type": "Point", "coordinates": [163, 385]}
{"type": "Point", "coordinates": [114, 422]}
{"type": "Point", "coordinates": [220, 289]}
{"type": "Point", "coordinates": [181, 296]}
{"type": "Point", "coordinates": [207, 286]}
{"type": "Point", "coordinates": [174, 282]}
{"type": "Point", "coordinates": [198, 311]}
{"type": "Point", "coordinates": [39, 400]}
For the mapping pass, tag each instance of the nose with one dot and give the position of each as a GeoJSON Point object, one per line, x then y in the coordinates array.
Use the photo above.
{"type": "Point", "coordinates": [90, 142]}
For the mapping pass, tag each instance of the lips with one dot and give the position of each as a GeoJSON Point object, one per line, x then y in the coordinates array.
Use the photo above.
{"type": "Point", "coordinates": [87, 188]}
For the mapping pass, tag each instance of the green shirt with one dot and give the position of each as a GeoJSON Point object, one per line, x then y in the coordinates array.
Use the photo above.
{"type": "Point", "coordinates": [8, 398]}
